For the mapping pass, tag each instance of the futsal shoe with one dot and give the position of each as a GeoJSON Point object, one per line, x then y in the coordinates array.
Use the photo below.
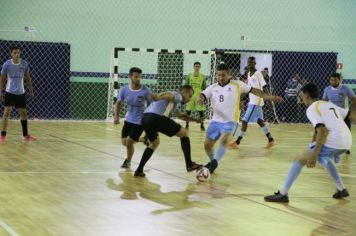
{"type": "Point", "coordinates": [277, 197]}
{"type": "Point", "coordinates": [3, 138]}
{"type": "Point", "coordinates": [29, 138]}
{"type": "Point", "coordinates": [212, 166]}
{"type": "Point", "coordinates": [341, 194]}
{"type": "Point", "coordinates": [139, 174]}
{"type": "Point", "coordinates": [194, 166]}
{"type": "Point", "coordinates": [348, 152]}
{"type": "Point", "coordinates": [126, 164]}
{"type": "Point", "coordinates": [234, 145]}
{"type": "Point", "coordinates": [270, 144]}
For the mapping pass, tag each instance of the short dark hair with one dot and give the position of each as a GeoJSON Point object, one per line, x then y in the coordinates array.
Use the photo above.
{"type": "Point", "coordinates": [12, 48]}
{"type": "Point", "coordinates": [197, 63]}
{"type": "Point", "coordinates": [266, 68]}
{"type": "Point", "coordinates": [311, 89]}
{"type": "Point", "coordinates": [186, 87]}
{"type": "Point", "coordinates": [251, 58]}
{"type": "Point", "coordinates": [222, 66]}
{"type": "Point", "coordinates": [135, 69]}
{"type": "Point", "coordinates": [336, 75]}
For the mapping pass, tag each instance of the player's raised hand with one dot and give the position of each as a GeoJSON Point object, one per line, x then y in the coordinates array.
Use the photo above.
{"type": "Point", "coordinates": [116, 120]}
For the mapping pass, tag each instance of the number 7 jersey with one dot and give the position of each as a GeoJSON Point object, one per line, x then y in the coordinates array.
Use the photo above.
{"type": "Point", "coordinates": [332, 117]}
{"type": "Point", "coordinates": [225, 100]}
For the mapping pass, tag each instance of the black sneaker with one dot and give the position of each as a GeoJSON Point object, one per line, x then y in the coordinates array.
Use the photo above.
{"type": "Point", "coordinates": [126, 164]}
{"type": "Point", "coordinates": [277, 197]}
{"type": "Point", "coordinates": [194, 166]}
{"type": "Point", "coordinates": [139, 174]}
{"type": "Point", "coordinates": [212, 166]}
{"type": "Point", "coordinates": [348, 152]}
{"type": "Point", "coordinates": [202, 128]}
{"type": "Point", "coordinates": [341, 194]}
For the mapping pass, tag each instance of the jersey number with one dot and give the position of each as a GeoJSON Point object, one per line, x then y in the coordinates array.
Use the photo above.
{"type": "Point", "coordinates": [221, 98]}
{"type": "Point", "coordinates": [333, 109]}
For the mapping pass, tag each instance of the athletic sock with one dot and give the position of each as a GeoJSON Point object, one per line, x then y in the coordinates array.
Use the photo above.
{"type": "Point", "coordinates": [24, 127]}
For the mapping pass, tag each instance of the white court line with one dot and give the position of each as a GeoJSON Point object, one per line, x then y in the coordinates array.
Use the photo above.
{"type": "Point", "coordinates": [8, 228]}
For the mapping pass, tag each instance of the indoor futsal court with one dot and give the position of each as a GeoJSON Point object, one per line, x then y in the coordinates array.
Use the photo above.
{"type": "Point", "coordinates": [177, 118]}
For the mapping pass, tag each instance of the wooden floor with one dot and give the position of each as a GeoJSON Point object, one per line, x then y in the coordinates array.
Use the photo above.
{"type": "Point", "coordinates": [70, 183]}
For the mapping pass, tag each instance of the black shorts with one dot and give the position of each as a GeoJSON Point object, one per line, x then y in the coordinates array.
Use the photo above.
{"type": "Point", "coordinates": [14, 100]}
{"type": "Point", "coordinates": [153, 123]}
{"type": "Point", "coordinates": [131, 130]}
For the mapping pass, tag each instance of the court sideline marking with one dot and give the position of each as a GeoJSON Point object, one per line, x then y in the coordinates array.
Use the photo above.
{"type": "Point", "coordinates": [7, 228]}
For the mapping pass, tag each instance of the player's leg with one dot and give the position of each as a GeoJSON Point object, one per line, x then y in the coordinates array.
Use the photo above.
{"type": "Point", "coordinates": [124, 135]}
{"type": "Point", "coordinates": [5, 120]}
{"type": "Point", "coordinates": [294, 171]}
{"type": "Point", "coordinates": [325, 158]}
{"type": "Point", "coordinates": [187, 122]}
{"type": "Point", "coordinates": [247, 118]}
{"type": "Point", "coordinates": [134, 133]}
{"type": "Point", "coordinates": [201, 111]}
{"type": "Point", "coordinates": [211, 137]}
{"type": "Point", "coordinates": [183, 134]}
{"type": "Point", "coordinates": [149, 125]}
{"type": "Point", "coordinates": [20, 104]}
{"type": "Point", "coordinates": [224, 132]}
{"type": "Point", "coordinates": [9, 102]}
{"type": "Point", "coordinates": [266, 131]}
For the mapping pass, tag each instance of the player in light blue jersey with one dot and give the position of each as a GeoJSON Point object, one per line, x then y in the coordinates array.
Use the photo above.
{"type": "Point", "coordinates": [15, 71]}
{"type": "Point", "coordinates": [340, 95]}
{"type": "Point", "coordinates": [137, 97]}
{"type": "Point", "coordinates": [156, 120]}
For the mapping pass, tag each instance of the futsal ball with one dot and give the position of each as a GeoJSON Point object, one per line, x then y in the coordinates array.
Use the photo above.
{"type": "Point", "coordinates": [203, 174]}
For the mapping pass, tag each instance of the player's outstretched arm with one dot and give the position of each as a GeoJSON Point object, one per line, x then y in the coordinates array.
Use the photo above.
{"type": "Point", "coordinates": [185, 117]}
{"type": "Point", "coordinates": [266, 96]}
{"type": "Point", "coordinates": [162, 96]}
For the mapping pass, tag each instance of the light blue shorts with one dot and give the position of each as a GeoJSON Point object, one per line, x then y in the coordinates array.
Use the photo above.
{"type": "Point", "coordinates": [327, 154]}
{"type": "Point", "coordinates": [253, 113]}
{"type": "Point", "coordinates": [215, 129]}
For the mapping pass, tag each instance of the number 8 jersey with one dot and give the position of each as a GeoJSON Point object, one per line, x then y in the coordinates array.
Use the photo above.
{"type": "Point", "coordinates": [225, 100]}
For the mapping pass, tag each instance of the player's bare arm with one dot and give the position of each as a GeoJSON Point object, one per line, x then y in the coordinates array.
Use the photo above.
{"type": "Point", "coordinates": [117, 110]}
{"type": "Point", "coordinates": [266, 96]}
{"type": "Point", "coordinates": [28, 80]}
{"type": "Point", "coordinates": [186, 117]}
{"type": "Point", "coordinates": [161, 96]}
{"type": "Point", "coordinates": [320, 133]}
{"type": "Point", "coordinates": [2, 84]}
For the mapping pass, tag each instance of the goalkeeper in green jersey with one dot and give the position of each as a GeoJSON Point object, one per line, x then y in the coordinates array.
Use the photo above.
{"type": "Point", "coordinates": [197, 81]}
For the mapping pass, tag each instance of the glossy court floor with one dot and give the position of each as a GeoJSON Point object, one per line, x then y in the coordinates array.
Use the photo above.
{"type": "Point", "coordinates": [69, 182]}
